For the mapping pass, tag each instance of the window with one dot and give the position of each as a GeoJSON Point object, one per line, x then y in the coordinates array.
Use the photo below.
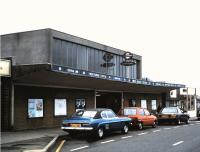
{"type": "Point", "coordinates": [169, 110]}
{"type": "Point", "coordinates": [191, 103]}
{"type": "Point", "coordinates": [141, 111]}
{"type": "Point", "coordinates": [146, 112]}
{"type": "Point", "coordinates": [153, 104]}
{"type": "Point", "coordinates": [60, 107]}
{"type": "Point", "coordinates": [144, 103]}
{"type": "Point", "coordinates": [103, 114]}
{"type": "Point", "coordinates": [129, 111]}
{"type": "Point", "coordinates": [86, 113]}
{"type": "Point", "coordinates": [35, 108]}
{"type": "Point", "coordinates": [110, 114]}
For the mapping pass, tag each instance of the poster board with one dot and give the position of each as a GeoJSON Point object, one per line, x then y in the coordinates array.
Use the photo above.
{"type": "Point", "coordinates": [153, 105]}
{"type": "Point", "coordinates": [35, 108]}
{"type": "Point", "coordinates": [144, 103]}
{"type": "Point", "coordinates": [60, 107]}
{"type": "Point", "coordinates": [80, 104]}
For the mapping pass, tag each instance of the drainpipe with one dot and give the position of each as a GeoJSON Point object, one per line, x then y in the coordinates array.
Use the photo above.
{"type": "Point", "coordinates": [122, 100]}
{"type": "Point", "coordinates": [95, 99]}
{"type": "Point", "coordinates": [12, 106]}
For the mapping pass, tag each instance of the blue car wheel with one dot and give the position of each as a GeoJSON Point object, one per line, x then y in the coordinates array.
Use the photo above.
{"type": "Point", "coordinates": [125, 129]}
{"type": "Point", "coordinates": [100, 133]}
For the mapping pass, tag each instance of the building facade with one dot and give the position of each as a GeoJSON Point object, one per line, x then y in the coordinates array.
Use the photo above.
{"type": "Point", "coordinates": [53, 74]}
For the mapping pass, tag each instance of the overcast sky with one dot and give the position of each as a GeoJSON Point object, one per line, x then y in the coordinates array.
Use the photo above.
{"type": "Point", "coordinates": [166, 33]}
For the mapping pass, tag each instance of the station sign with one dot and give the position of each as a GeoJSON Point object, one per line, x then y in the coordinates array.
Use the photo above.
{"type": "Point", "coordinates": [5, 67]}
{"type": "Point", "coordinates": [128, 59]}
{"type": "Point", "coordinates": [187, 91]}
{"type": "Point", "coordinates": [108, 57]}
{"type": "Point", "coordinates": [79, 72]}
{"type": "Point", "coordinates": [173, 93]}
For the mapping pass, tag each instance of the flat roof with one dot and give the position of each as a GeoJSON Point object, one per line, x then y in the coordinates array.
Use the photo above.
{"type": "Point", "coordinates": [82, 41]}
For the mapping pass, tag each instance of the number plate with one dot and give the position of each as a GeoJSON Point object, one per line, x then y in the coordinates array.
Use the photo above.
{"type": "Point", "coordinates": [75, 125]}
{"type": "Point", "coordinates": [165, 116]}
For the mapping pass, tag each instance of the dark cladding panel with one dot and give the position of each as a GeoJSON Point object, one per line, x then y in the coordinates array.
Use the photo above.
{"type": "Point", "coordinates": [121, 67]}
{"type": "Point", "coordinates": [74, 55]}
{"type": "Point", "coordinates": [118, 66]}
{"type": "Point", "coordinates": [101, 62]}
{"type": "Point", "coordinates": [82, 60]}
{"type": "Point", "coordinates": [65, 53]}
{"type": "Point", "coordinates": [91, 59]}
{"type": "Point", "coordinates": [69, 54]}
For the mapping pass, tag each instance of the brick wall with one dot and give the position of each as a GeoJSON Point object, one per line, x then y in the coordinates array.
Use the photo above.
{"type": "Point", "coordinates": [23, 93]}
{"type": "Point", "coordinates": [139, 97]}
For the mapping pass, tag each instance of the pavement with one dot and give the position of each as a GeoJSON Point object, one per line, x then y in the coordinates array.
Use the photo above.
{"type": "Point", "coordinates": [40, 139]}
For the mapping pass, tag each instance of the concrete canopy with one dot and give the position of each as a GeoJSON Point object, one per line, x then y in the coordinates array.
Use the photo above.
{"type": "Point", "coordinates": [42, 75]}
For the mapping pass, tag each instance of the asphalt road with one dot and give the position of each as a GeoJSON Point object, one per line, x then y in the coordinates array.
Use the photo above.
{"type": "Point", "coordinates": [165, 138]}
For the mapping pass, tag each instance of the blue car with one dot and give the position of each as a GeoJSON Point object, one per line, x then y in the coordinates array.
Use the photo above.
{"type": "Point", "coordinates": [95, 122]}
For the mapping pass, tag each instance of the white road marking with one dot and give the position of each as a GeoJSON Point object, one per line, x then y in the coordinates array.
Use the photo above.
{"type": "Point", "coordinates": [108, 141]}
{"type": "Point", "coordinates": [79, 148]}
{"type": "Point", "coordinates": [177, 143]}
{"type": "Point", "coordinates": [142, 133]}
{"type": "Point", "coordinates": [156, 130]}
{"type": "Point", "coordinates": [191, 124]}
{"type": "Point", "coordinates": [126, 137]}
{"type": "Point", "coordinates": [167, 128]}
{"type": "Point", "coordinates": [176, 127]}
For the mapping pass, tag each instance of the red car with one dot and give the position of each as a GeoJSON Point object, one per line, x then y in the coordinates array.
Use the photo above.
{"type": "Point", "coordinates": [140, 117]}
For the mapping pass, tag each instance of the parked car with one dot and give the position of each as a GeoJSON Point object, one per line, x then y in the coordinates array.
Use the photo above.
{"type": "Point", "coordinates": [173, 114]}
{"type": "Point", "coordinates": [95, 122]}
{"type": "Point", "coordinates": [140, 117]}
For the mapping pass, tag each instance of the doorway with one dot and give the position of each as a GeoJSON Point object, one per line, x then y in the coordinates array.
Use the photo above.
{"type": "Point", "coordinates": [111, 100]}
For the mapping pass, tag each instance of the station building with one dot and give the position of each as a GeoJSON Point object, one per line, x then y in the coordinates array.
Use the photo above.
{"type": "Point", "coordinates": [52, 74]}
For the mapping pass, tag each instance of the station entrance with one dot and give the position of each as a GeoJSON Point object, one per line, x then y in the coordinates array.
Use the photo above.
{"type": "Point", "coordinates": [111, 100]}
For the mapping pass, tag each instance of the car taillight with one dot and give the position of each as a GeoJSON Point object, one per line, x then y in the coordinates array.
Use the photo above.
{"type": "Point", "coordinates": [172, 116]}
{"type": "Point", "coordinates": [65, 124]}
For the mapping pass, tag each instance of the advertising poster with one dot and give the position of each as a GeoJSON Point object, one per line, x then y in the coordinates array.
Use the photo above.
{"type": "Point", "coordinates": [153, 104]}
{"type": "Point", "coordinates": [60, 107]}
{"type": "Point", "coordinates": [80, 104]}
{"type": "Point", "coordinates": [35, 108]}
{"type": "Point", "coordinates": [143, 103]}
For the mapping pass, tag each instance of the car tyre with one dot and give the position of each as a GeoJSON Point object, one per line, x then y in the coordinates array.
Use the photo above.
{"type": "Point", "coordinates": [125, 129]}
{"type": "Point", "coordinates": [187, 121]}
{"type": "Point", "coordinates": [178, 122]}
{"type": "Point", "coordinates": [154, 124]}
{"type": "Point", "coordinates": [72, 134]}
{"type": "Point", "coordinates": [100, 133]}
{"type": "Point", "coordinates": [140, 126]}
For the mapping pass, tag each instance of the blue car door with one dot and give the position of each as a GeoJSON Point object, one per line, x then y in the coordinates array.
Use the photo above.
{"type": "Point", "coordinates": [114, 121]}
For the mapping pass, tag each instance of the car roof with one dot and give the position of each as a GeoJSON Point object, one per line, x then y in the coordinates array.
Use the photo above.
{"type": "Point", "coordinates": [134, 108]}
{"type": "Point", "coordinates": [97, 109]}
{"type": "Point", "coordinates": [171, 107]}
